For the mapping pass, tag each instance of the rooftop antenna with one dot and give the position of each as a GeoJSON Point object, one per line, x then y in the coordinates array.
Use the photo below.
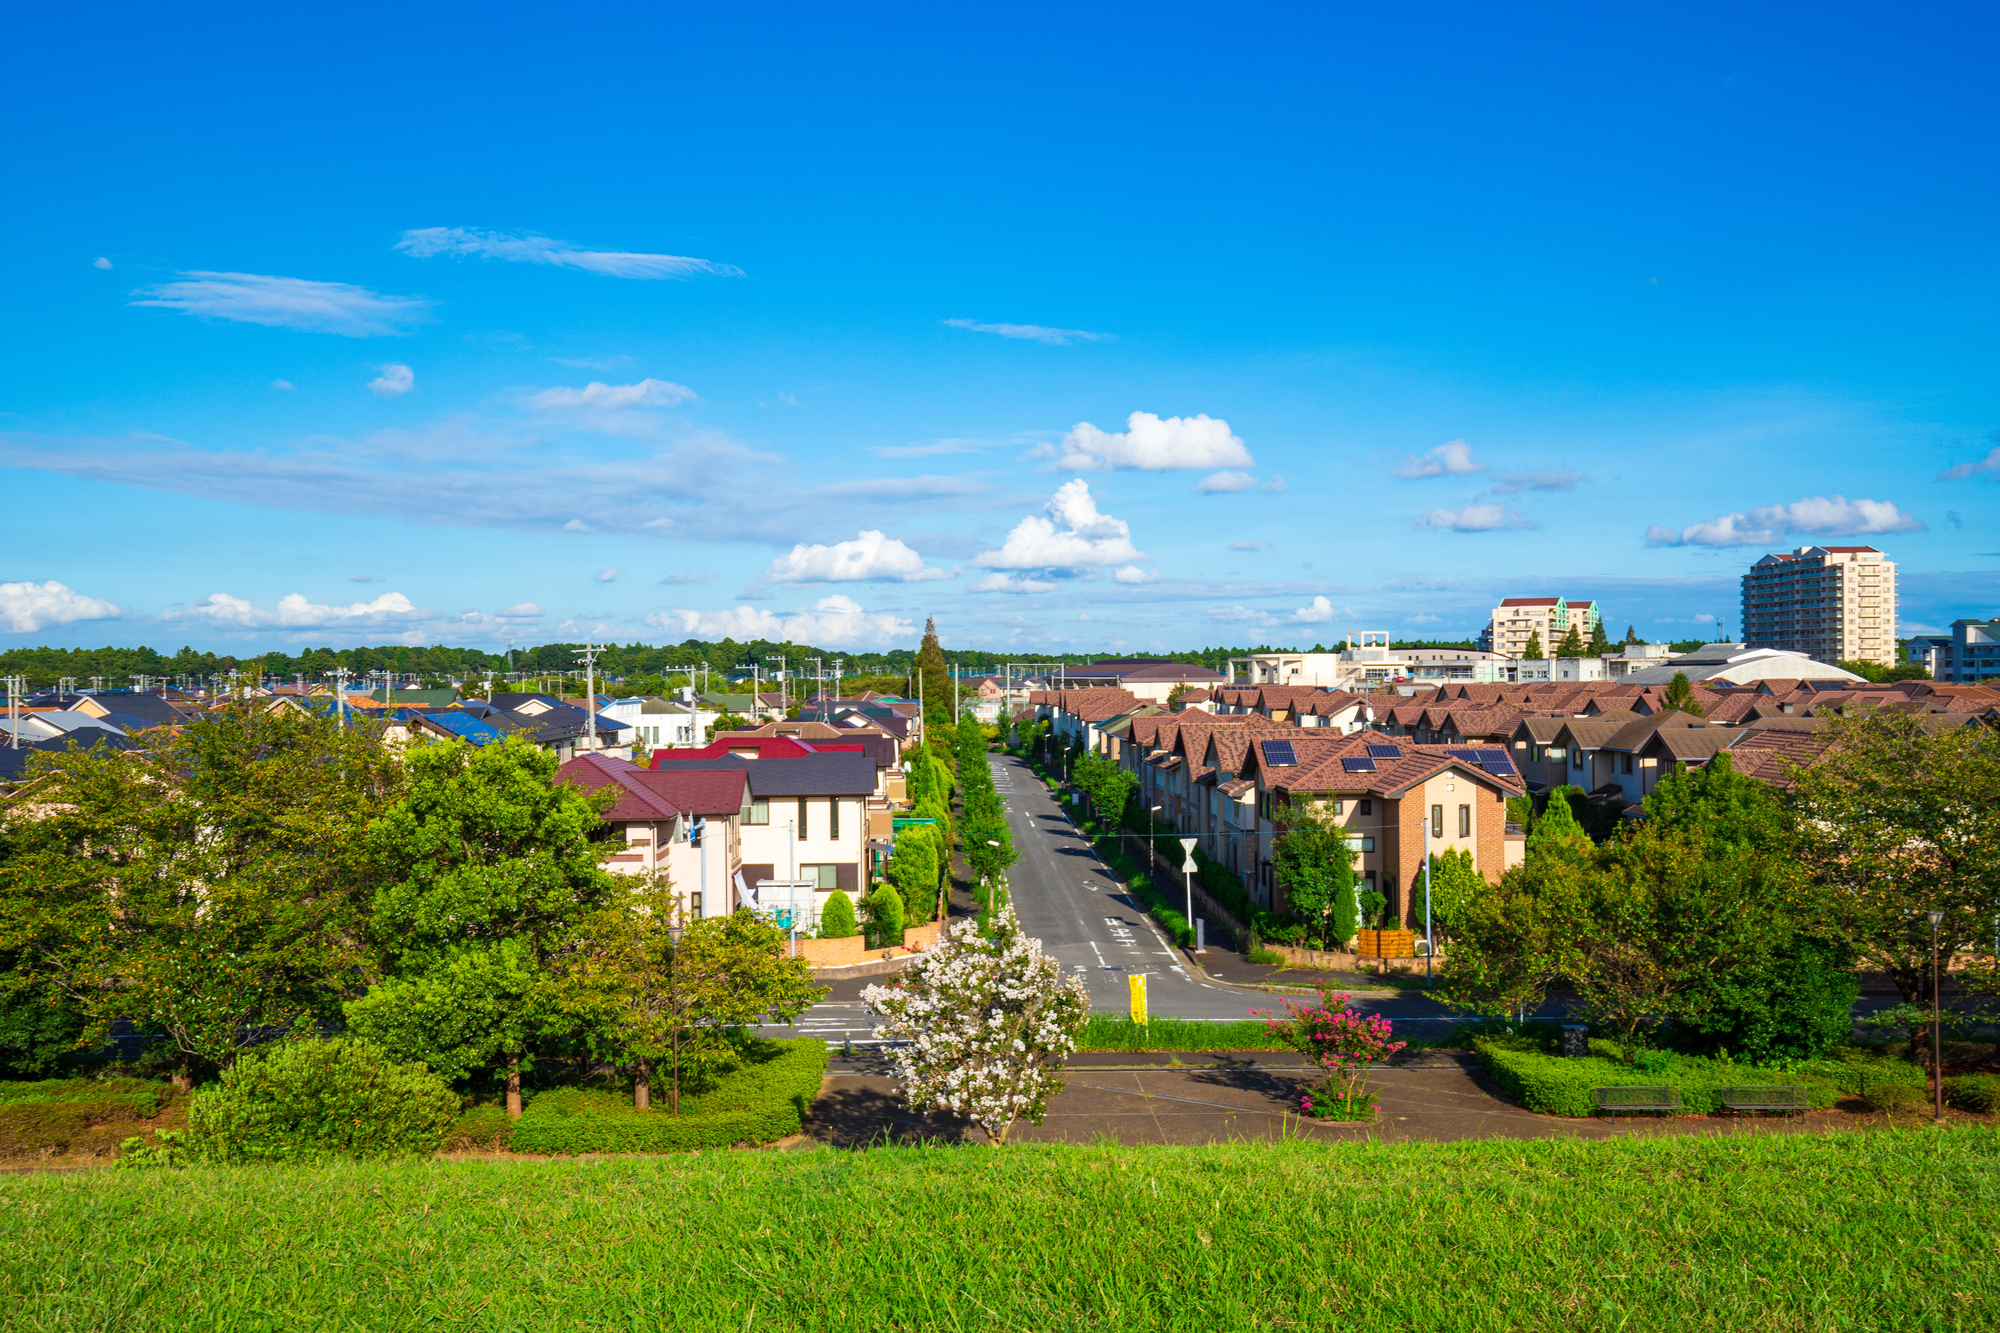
{"type": "Point", "coordinates": [588, 655]}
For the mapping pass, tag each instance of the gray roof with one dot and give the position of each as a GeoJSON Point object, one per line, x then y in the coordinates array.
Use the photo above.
{"type": "Point", "coordinates": [1735, 663]}
{"type": "Point", "coordinates": [843, 774]}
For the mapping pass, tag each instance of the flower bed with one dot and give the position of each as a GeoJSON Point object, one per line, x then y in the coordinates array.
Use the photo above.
{"type": "Point", "coordinates": [1557, 1085]}
{"type": "Point", "coordinates": [764, 1098]}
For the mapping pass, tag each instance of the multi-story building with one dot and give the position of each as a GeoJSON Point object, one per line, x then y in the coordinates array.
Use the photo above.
{"type": "Point", "coordinates": [1973, 654]}
{"type": "Point", "coordinates": [1550, 618]}
{"type": "Point", "coordinates": [1832, 603]}
{"type": "Point", "coordinates": [1366, 659]}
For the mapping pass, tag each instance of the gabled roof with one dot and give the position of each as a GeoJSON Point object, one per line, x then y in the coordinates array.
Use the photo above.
{"type": "Point", "coordinates": [814, 775]}
{"type": "Point", "coordinates": [646, 796]}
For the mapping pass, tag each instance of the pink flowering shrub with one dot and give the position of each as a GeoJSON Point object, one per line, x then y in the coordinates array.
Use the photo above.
{"type": "Point", "coordinates": [1339, 1041]}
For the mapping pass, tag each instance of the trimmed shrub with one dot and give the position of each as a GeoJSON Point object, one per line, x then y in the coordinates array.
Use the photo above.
{"type": "Point", "coordinates": [764, 1098]}
{"type": "Point", "coordinates": [885, 916]}
{"type": "Point", "coordinates": [1561, 1086]}
{"type": "Point", "coordinates": [1973, 1092]}
{"type": "Point", "coordinates": [306, 1099]}
{"type": "Point", "coordinates": [1857, 1071]}
{"type": "Point", "coordinates": [480, 1127]}
{"type": "Point", "coordinates": [1897, 1099]}
{"type": "Point", "coordinates": [837, 921]}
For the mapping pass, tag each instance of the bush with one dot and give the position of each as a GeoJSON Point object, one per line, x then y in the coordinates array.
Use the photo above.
{"type": "Point", "coordinates": [764, 1098]}
{"type": "Point", "coordinates": [885, 916]}
{"type": "Point", "coordinates": [1857, 1070]}
{"type": "Point", "coordinates": [1561, 1086]}
{"type": "Point", "coordinates": [1797, 1006]}
{"type": "Point", "coordinates": [1897, 1099]}
{"type": "Point", "coordinates": [480, 1127]}
{"type": "Point", "coordinates": [305, 1099]}
{"type": "Point", "coordinates": [1973, 1092]}
{"type": "Point", "coordinates": [837, 921]}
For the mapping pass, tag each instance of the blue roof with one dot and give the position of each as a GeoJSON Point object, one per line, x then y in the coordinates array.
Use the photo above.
{"type": "Point", "coordinates": [466, 727]}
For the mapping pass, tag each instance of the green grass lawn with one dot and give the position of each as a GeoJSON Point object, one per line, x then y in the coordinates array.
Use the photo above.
{"type": "Point", "coordinates": [1865, 1231]}
{"type": "Point", "coordinates": [1114, 1032]}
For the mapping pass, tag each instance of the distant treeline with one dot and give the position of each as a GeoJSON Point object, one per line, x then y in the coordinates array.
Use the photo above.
{"type": "Point", "coordinates": [118, 666]}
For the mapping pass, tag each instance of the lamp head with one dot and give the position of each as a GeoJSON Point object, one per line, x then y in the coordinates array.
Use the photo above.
{"type": "Point", "coordinates": [674, 934]}
{"type": "Point", "coordinates": [1936, 919]}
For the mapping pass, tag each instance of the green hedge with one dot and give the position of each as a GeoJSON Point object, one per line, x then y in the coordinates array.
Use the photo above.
{"type": "Point", "coordinates": [1561, 1086]}
{"type": "Point", "coordinates": [1973, 1092]}
{"type": "Point", "coordinates": [763, 1098]}
{"type": "Point", "coordinates": [139, 1096]}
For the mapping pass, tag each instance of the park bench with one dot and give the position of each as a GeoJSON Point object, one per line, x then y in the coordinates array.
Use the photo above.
{"type": "Point", "coordinates": [1615, 1100]}
{"type": "Point", "coordinates": [1785, 1097]}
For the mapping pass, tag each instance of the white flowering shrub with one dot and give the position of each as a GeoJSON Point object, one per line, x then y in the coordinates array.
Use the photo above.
{"type": "Point", "coordinates": [988, 1018]}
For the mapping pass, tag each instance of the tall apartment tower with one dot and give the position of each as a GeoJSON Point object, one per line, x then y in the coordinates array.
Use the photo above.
{"type": "Point", "coordinates": [1832, 603]}
{"type": "Point", "coordinates": [1550, 617]}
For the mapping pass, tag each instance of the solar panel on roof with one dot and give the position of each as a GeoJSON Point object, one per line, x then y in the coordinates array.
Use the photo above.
{"type": "Point", "coordinates": [1497, 763]}
{"type": "Point", "coordinates": [1358, 764]}
{"type": "Point", "coordinates": [1464, 756]}
{"type": "Point", "coordinates": [1385, 752]}
{"type": "Point", "coordinates": [1279, 753]}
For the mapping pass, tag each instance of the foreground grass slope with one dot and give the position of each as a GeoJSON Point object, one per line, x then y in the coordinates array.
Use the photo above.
{"type": "Point", "coordinates": [1884, 1230]}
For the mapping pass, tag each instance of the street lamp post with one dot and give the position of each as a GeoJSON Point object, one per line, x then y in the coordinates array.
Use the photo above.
{"type": "Point", "coordinates": [674, 1008]}
{"type": "Point", "coordinates": [1937, 1020]}
{"type": "Point", "coordinates": [1151, 810]}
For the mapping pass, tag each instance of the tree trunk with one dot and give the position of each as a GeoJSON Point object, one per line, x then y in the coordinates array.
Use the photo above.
{"type": "Point", "coordinates": [514, 1087]}
{"type": "Point", "coordinates": [642, 1086]}
{"type": "Point", "coordinates": [183, 1080]}
{"type": "Point", "coordinates": [998, 1140]}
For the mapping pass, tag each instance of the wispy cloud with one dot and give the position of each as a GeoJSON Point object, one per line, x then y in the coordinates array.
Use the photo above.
{"type": "Point", "coordinates": [673, 579]}
{"type": "Point", "coordinates": [1225, 483]}
{"type": "Point", "coordinates": [1986, 467]}
{"type": "Point", "coordinates": [1819, 516]}
{"type": "Point", "coordinates": [1135, 574]}
{"type": "Point", "coordinates": [598, 396]}
{"type": "Point", "coordinates": [1453, 459]}
{"type": "Point", "coordinates": [932, 449]}
{"type": "Point", "coordinates": [1017, 583]}
{"type": "Point", "coordinates": [1242, 615]}
{"type": "Point", "coordinates": [1250, 544]}
{"type": "Point", "coordinates": [1475, 518]}
{"type": "Point", "coordinates": [1541, 479]}
{"type": "Point", "coordinates": [606, 575]}
{"type": "Point", "coordinates": [26, 608]}
{"type": "Point", "coordinates": [393, 382]}
{"type": "Point", "coordinates": [296, 611]}
{"type": "Point", "coordinates": [528, 248]}
{"type": "Point", "coordinates": [1032, 332]}
{"type": "Point", "coordinates": [289, 303]}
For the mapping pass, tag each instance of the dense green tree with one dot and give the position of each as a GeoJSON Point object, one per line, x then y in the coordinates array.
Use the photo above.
{"type": "Point", "coordinates": [885, 916]}
{"type": "Point", "coordinates": [210, 887]}
{"type": "Point", "coordinates": [1533, 652]}
{"type": "Point", "coordinates": [1454, 883]}
{"type": "Point", "coordinates": [1313, 863]}
{"type": "Point", "coordinates": [1631, 636]}
{"type": "Point", "coordinates": [1679, 695]}
{"type": "Point", "coordinates": [490, 872]}
{"type": "Point", "coordinates": [1556, 831]}
{"type": "Point", "coordinates": [1599, 642]}
{"type": "Point", "coordinates": [935, 674]}
{"type": "Point", "coordinates": [1572, 644]}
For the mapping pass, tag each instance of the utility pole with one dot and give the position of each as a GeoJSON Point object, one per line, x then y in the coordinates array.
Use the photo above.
{"type": "Point", "coordinates": [588, 655]}
{"type": "Point", "coordinates": [784, 693]}
{"type": "Point", "coordinates": [340, 695]}
{"type": "Point", "coordinates": [14, 687]}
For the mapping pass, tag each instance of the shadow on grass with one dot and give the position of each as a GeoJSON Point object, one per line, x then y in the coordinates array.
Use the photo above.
{"type": "Point", "coordinates": [870, 1118]}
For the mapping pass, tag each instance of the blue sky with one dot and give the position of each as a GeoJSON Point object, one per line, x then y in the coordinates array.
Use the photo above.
{"type": "Point", "coordinates": [1139, 327]}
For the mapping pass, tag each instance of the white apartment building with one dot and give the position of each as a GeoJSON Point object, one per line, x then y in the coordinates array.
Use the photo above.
{"type": "Point", "coordinates": [1517, 619]}
{"type": "Point", "coordinates": [1832, 603]}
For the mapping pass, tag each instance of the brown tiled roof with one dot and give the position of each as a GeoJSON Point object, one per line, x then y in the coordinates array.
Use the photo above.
{"type": "Point", "coordinates": [1323, 772]}
{"type": "Point", "coordinates": [1764, 753]}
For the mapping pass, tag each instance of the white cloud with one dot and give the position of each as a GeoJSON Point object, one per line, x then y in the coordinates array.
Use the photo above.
{"type": "Point", "coordinates": [288, 303]}
{"type": "Point", "coordinates": [393, 382]}
{"type": "Point", "coordinates": [294, 611]}
{"type": "Point", "coordinates": [1225, 483]}
{"type": "Point", "coordinates": [1136, 574]}
{"type": "Point", "coordinates": [1453, 459]}
{"type": "Point", "coordinates": [1242, 615]}
{"type": "Point", "coordinates": [285, 386]}
{"type": "Point", "coordinates": [837, 621]}
{"type": "Point", "coordinates": [1032, 332]}
{"type": "Point", "coordinates": [364, 578]}
{"type": "Point", "coordinates": [1277, 485]}
{"type": "Point", "coordinates": [27, 607]}
{"type": "Point", "coordinates": [998, 582]}
{"type": "Point", "coordinates": [871, 556]}
{"type": "Point", "coordinates": [1318, 613]}
{"type": "Point", "coordinates": [1960, 471]}
{"type": "Point", "coordinates": [100, 262]}
{"type": "Point", "coordinates": [1541, 479]}
{"type": "Point", "coordinates": [1475, 518]}
{"type": "Point", "coordinates": [527, 248]}
{"type": "Point", "coordinates": [1152, 444]}
{"type": "Point", "coordinates": [519, 611]}
{"type": "Point", "coordinates": [576, 525]}
{"type": "Point", "coordinates": [1074, 537]}
{"type": "Point", "coordinates": [1250, 544]}
{"type": "Point", "coordinates": [1423, 618]}
{"type": "Point", "coordinates": [606, 575]}
{"type": "Point", "coordinates": [597, 396]}
{"type": "Point", "coordinates": [1819, 516]}
{"type": "Point", "coordinates": [687, 578]}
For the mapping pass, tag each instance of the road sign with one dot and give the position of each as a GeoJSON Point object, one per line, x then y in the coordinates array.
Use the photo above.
{"type": "Point", "coordinates": [1137, 981]}
{"type": "Point", "coordinates": [1187, 846]}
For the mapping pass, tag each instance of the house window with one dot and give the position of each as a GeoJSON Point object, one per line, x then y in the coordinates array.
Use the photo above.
{"type": "Point", "coordinates": [1576, 760]}
{"type": "Point", "coordinates": [1339, 806]}
{"type": "Point", "coordinates": [1625, 763]}
{"type": "Point", "coordinates": [1365, 808]}
{"type": "Point", "coordinates": [824, 878]}
{"type": "Point", "coordinates": [1465, 821]}
{"type": "Point", "coordinates": [833, 818]}
{"type": "Point", "coordinates": [1360, 843]}
{"type": "Point", "coordinates": [694, 904]}
{"type": "Point", "coordinates": [760, 813]}
{"type": "Point", "coordinates": [802, 819]}
{"type": "Point", "coordinates": [1437, 821]}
